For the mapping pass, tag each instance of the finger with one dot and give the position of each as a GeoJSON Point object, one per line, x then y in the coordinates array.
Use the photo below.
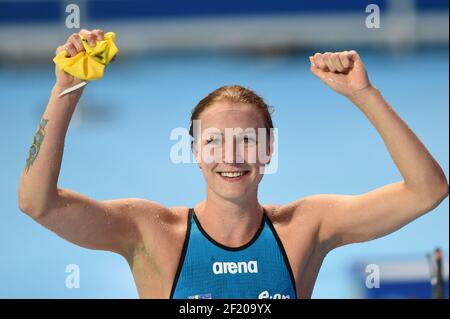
{"type": "Point", "coordinates": [99, 34]}
{"type": "Point", "coordinates": [70, 48]}
{"type": "Point", "coordinates": [327, 60]}
{"type": "Point", "coordinates": [321, 74]}
{"type": "Point", "coordinates": [345, 59]}
{"type": "Point", "coordinates": [337, 62]}
{"type": "Point", "coordinates": [313, 67]}
{"type": "Point", "coordinates": [84, 33]}
{"type": "Point", "coordinates": [318, 61]}
{"type": "Point", "coordinates": [90, 38]}
{"type": "Point", "coordinates": [354, 56]}
{"type": "Point", "coordinates": [76, 41]}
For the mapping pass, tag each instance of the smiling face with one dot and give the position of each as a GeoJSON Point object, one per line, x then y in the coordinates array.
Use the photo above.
{"type": "Point", "coordinates": [228, 149]}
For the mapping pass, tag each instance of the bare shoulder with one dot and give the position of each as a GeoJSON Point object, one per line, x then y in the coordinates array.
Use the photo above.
{"type": "Point", "coordinates": [297, 224]}
{"type": "Point", "coordinates": [306, 208]}
{"type": "Point", "coordinates": [179, 216]}
{"type": "Point", "coordinates": [149, 217]}
{"type": "Point", "coordinates": [302, 217]}
{"type": "Point", "coordinates": [142, 208]}
{"type": "Point", "coordinates": [160, 226]}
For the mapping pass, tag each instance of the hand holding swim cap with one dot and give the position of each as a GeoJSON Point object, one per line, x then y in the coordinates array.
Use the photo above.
{"type": "Point", "coordinates": [84, 57]}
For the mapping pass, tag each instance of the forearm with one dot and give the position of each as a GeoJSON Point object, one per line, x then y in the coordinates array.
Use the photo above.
{"type": "Point", "coordinates": [419, 169]}
{"type": "Point", "coordinates": [38, 183]}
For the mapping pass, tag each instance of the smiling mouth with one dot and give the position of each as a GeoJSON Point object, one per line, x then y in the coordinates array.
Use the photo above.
{"type": "Point", "coordinates": [233, 176]}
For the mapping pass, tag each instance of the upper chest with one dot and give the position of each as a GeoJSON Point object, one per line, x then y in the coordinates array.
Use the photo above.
{"type": "Point", "coordinates": [162, 249]}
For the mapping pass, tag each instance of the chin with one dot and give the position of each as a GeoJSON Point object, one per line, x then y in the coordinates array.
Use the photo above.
{"type": "Point", "coordinates": [236, 194]}
{"type": "Point", "coordinates": [235, 198]}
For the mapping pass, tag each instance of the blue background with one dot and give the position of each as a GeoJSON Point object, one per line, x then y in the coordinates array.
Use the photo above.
{"type": "Point", "coordinates": [121, 149]}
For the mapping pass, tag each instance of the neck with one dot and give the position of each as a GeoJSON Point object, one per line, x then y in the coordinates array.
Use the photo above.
{"type": "Point", "coordinates": [232, 223]}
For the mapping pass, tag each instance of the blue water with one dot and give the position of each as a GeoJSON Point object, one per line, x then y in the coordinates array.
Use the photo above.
{"type": "Point", "coordinates": [120, 148]}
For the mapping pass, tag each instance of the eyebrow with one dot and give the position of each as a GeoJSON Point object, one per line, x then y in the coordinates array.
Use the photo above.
{"type": "Point", "coordinates": [223, 133]}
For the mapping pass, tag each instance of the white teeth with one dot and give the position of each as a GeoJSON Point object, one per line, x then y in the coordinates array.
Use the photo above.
{"type": "Point", "coordinates": [232, 174]}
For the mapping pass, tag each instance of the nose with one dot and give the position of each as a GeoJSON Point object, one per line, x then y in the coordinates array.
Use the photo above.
{"type": "Point", "coordinates": [232, 154]}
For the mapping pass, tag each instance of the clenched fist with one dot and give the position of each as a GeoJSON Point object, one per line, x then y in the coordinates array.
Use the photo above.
{"type": "Point", "coordinates": [73, 46]}
{"type": "Point", "coordinates": [343, 71]}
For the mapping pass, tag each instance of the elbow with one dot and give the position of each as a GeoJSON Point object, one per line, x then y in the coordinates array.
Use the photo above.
{"type": "Point", "coordinates": [24, 208]}
{"type": "Point", "coordinates": [28, 207]}
{"type": "Point", "coordinates": [430, 195]}
{"type": "Point", "coordinates": [23, 204]}
{"type": "Point", "coordinates": [31, 210]}
{"type": "Point", "coordinates": [437, 195]}
{"type": "Point", "coordinates": [443, 190]}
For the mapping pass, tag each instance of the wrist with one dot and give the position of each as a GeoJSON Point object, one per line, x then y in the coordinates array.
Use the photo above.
{"type": "Point", "coordinates": [361, 95]}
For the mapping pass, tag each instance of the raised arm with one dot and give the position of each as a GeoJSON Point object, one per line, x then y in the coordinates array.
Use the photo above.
{"type": "Point", "coordinates": [355, 218]}
{"type": "Point", "coordinates": [107, 225]}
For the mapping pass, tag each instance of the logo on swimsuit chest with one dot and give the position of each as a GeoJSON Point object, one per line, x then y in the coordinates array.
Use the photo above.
{"type": "Point", "coordinates": [242, 267]}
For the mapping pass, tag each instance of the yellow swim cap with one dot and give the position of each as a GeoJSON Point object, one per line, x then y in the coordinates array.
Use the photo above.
{"type": "Point", "coordinates": [89, 64]}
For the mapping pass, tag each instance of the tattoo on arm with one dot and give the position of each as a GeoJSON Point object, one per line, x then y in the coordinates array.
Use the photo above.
{"type": "Point", "coordinates": [37, 141]}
